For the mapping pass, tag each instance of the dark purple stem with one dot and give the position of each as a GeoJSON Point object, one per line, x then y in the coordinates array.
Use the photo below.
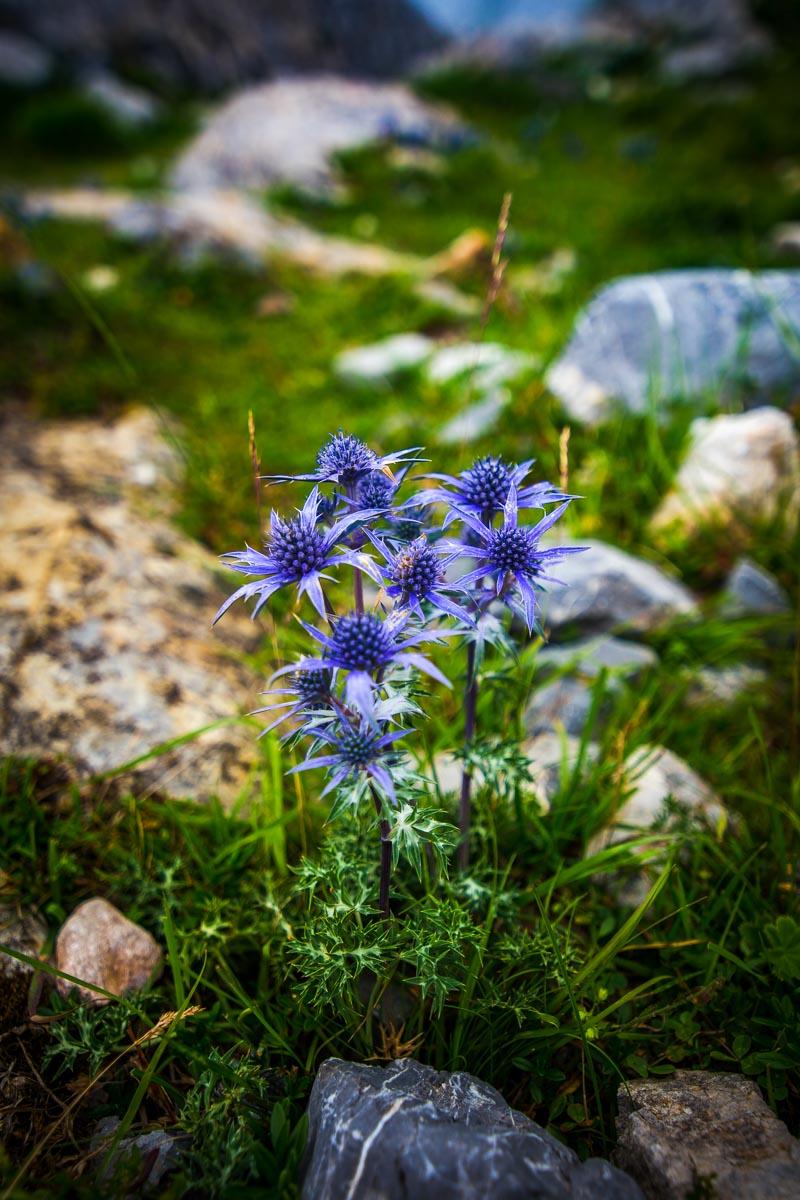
{"type": "Point", "coordinates": [386, 857]}
{"type": "Point", "coordinates": [464, 810]}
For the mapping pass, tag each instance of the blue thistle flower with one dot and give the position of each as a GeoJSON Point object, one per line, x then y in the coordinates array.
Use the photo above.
{"type": "Point", "coordinates": [484, 488]}
{"type": "Point", "coordinates": [345, 459]}
{"type": "Point", "coordinates": [415, 574]}
{"type": "Point", "coordinates": [297, 552]}
{"type": "Point", "coordinates": [375, 490]}
{"type": "Point", "coordinates": [309, 693]}
{"type": "Point", "coordinates": [356, 748]}
{"type": "Point", "coordinates": [365, 646]}
{"type": "Point", "coordinates": [512, 554]}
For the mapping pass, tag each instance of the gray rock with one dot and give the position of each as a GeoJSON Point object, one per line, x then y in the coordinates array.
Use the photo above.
{"type": "Point", "coordinates": [24, 932]}
{"type": "Point", "coordinates": [654, 777]}
{"type": "Point", "coordinates": [407, 1130]}
{"type": "Point", "coordinates": [738, 468]}
{"type": "Point", "coordinates": [553, 757]}
{"type": "Point", "coordinates": [146, 1158]}
{"type": "Point", "coordinates": [99, 945]}
{"type": "Point", "coordinates": [786, 239]}
{"type": "Point", "coordinates": [23, 62]}
{"type": "Point", "coordinates": [705, 1133]}
{"type": "Point", "coordinates": [724, 685]}
{"type": "Point", "coordinates": [188, 44]}
{"type": "Point", "coordinates": [289, 130]}
{"type": "Point", "coordinates": [383, 361]}
{"type": "Point", "coordinates": [682, 332]}
{"type": "Point", "coordinates": [752, 591]}
{"type": "Point", "coordinates": [564, 704]}
{"type": "Point", "coordinates": [589, 656]}
{"type": "Point", "coordinates": [606, 589]}
{"type": "Point", "coordinates": [128, 105]}
{"type": "Point", "coordinates": [105, 610]}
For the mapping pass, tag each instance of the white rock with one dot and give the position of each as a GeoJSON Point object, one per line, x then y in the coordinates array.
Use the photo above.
{"type": "Point", "coordinates": [288, 131]}
{"type": "Point", "coordinates": [606, 588]}
{"type": "Point", "coordinates": [745, 465]}
{"type": "Point", "coordinates": [385, 360]}
{"type": "Point", "coordinates": [488, 364]}
{"type": "Point", "coordinates": [752, 591]}
{"type": "Point", "coordinates": [655, 775]}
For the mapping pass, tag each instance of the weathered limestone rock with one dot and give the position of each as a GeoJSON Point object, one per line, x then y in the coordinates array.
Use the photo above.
{"type": "Point", "coordinates": [23, 62]}
{"type": "Point", "coordinates": [705, 1133]}
{"type": "Point", "coordinates": [288, 130]}
{"type": "Point", "coordinates": [744, 466]}
{"type": "Point", "coordinates": [381, 362]}
{"type": "Point", "coordinates": [98, 944]}
{"type": "Point", "coordinates": [407, 1130]}
{"type": "Point", "coordinates": [24, 932]}
{"type": "Point", "coordinates": [589, 656]}
{"type": "Point", "coordinates": [106, 649]}
{"type": "Point", "coordinates": [607, 589]}
{"type": "Point", "coordinates": [148, 1157]}
{"type": "Point", "coordinates": [553, 757]}
{"type": "Point", "coordinates": [683, 332]}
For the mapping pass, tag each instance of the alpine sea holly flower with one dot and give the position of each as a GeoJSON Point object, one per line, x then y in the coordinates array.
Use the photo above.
{"type": "Point", "coordinates": [356, 748]}
{"type": "Point", "coordinates": [299, 552]}
{"type": "Point", "coordinates": [309, 694]}
{"type": "Point", "coordinates": [415, 574]}
{"type": "Point", "coordinates": [484, 488]}
{"type": "Point", "coordinates": [512, 555]}
{"type": "Point", "coordinates": [364, 646]}
{"type": "Point", "coordinates": [345, 459]}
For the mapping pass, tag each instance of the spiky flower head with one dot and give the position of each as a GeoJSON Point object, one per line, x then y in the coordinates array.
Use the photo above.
{"type": "Point", "coordinates": [484, 488]}
{"type": "Point", "coordinates": [356, 747]}
{"type": "Point", "coordinates": [375, 490]}
{"type": "Point", "coordinates": [345, 459]}
{"type": "Point", "coordinates": [415, 574]}
{"type": "Point", "coordinates": [513, 557]}
{"type": "Point", "coordinates": [308, 693]}
{"type": "Point", "coordinates": [297, 552]}
{"type": "Point", "coordinates": [365, 647]}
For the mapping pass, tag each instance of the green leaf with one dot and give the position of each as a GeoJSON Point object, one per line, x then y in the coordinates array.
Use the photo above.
{"type": "Point", "coordinates": [783, 953]}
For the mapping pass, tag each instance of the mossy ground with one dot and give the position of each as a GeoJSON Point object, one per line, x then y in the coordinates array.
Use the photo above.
{"type": "Point", "coordinates": [531, 975]}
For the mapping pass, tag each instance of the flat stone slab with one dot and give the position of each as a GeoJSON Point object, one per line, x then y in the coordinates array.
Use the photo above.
{"type": "Point", "coordinates": [288, 131]}
{"type": "Point", "coordinates": [587, 657]}
{"type": "Point", "coordinates": [680, 333]}
{"type": "Point", "coordinates": [705, 1133]}
{"type": "Point", "coordinates": [606, 589]}
{"type": "Point", "coordinates": [106, 649]}
{"type": "Point", "coordinates": [408, 1131]}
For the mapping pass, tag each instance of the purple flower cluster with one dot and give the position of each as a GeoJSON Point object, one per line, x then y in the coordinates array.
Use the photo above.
{"type": "Point", "coordinates": [347, 698]}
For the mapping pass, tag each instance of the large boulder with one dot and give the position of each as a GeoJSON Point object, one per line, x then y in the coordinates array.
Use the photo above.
{"type": "Point", "coordinates": [289, 130]}
{"type": "Point", "coordinates": [206, 46]}
{"type": "Point", "coordinates": [105, 645]}
{"type": "Point", "coordinates": [407, 1130]}
{"type": "Point", "coordinates": [679, 333]}
{"type": "Point", "coordinates": [705, 1133]}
